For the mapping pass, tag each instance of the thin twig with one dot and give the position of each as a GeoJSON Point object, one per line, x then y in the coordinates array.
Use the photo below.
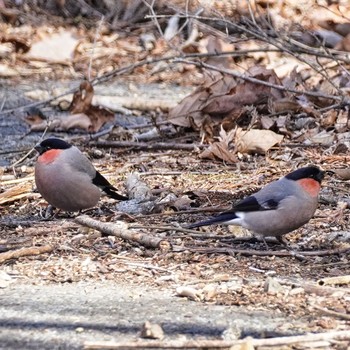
{"type": "Point", "coordinates": [153, 16]}
{"type": "Point", "coordinates": [30, 151]}
{"type": "Point", "coordinates": [301, 48]}
{"type": "Point", "coordinates": [97, 34]}
{"type": "Point", "coordinates": [332, 313]}
{"type": "Point", "coordinates": [258, 81]}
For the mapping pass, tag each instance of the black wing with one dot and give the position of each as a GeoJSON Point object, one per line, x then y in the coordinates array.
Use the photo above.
{"type": "Point", "coordinates": [251, 204]}
{"type": "Point", "coordinates": [100, 181]}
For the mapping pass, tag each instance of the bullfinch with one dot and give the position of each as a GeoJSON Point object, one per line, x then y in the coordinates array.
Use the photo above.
{"type": "Point", "coordinates": [280, 207]}
{"type": "Point", "coordinates": [67, 179]}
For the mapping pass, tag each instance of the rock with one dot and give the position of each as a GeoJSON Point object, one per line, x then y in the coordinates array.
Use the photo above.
{"type": "Point", "coordinates": [152, 331]}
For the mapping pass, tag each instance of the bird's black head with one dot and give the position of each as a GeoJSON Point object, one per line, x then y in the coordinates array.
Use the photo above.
{"type": "Point", "coordinates": [51, 143]}
{"type": "Point", "coordinates": [310, 172]}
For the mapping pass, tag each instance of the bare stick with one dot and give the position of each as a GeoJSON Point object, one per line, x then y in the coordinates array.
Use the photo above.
{"type": "Point", "coordinates": [312, 288]}
{"type": "Point", "coordinates": [332, 313]}
{"type": "Point", "coordinates": [97, 34]}
{"type": "Point", "coordinates": [121, 230]}
{"type": "Point", "coordinates": [148, 146]}
{"type": "Point", "coordinates": [15, 254]}
{"type": "Point", "coordinates": [219, 344]}
{"type": "Point", "coordinates": [31, 150]}
{"type": "Point", "coordinates": [334, 280]}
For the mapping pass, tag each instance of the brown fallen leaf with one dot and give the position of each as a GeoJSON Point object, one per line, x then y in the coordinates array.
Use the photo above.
{"type": "Point", "coordinates": [223, 97]}
{"type": "Point", "coordinates": [344, 44]}
{"type": "Point", "coordinates": [57, 47]}
{"type": "Point", "coordinates": [283, 105]}
{"type": "Point", "coordinates": [256, 141]}
{"type": "Point", "coordinates": [324, 137]}
{"type": "Point", "coordinates": [221, 149]}
{"type": "Point", "coordinates": [192, 106]}
{"type": "Point", "coordinates": [82, 99]}
{"type": "Point", "coordinates": [213, 44]}
{"type": "Point", "coordinates": [76, 121]}
{"type": "Point", "coordinates": [82, 104]}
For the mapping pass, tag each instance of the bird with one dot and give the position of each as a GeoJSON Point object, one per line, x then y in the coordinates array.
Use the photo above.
{"type": "Point", "coordinates": [66, 178]}
{"type": "Point", "coordinates": [278, 208]}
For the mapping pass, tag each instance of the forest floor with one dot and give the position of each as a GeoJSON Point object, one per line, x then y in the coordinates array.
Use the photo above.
{"type": "Point", "coordinates": [66, 286]}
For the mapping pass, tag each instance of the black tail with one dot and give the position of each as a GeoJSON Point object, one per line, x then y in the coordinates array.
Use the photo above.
{"type": "Point", "coordinates": [104, 184]}
{"type": "Point", "coordinates": [112, 192]}
{"type": "Point", "coordinates": [221, 218]}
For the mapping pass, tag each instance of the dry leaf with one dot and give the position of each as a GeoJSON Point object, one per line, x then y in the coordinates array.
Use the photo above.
{"type": "Point", "coordinates": [283, 105]}
{"type": "Point", "coordinates": [220, 149]}
{"type": "Point", "coordinates": [76, 121]}
{"type": "Point", "coordinates": [323, 138]}
{"type": "Point", "coordinates": [256, 141]}
{"type": "Point", "coordinates": [342, 122]}
{"type": "Point", "coordinates": [343, 174]}
{"type": "Point", "coordinates": [344, 44]}
{"type": "Point", "coordinates": [58, 47]}
{"type": "Point", "coordinates": [213, 44]}
{"type": "Point", "coordinates": [82, 104]}
{"type": "Point", "coordinates": [192, 106]}
{"type": "Point", "coordinates": [222, 97]}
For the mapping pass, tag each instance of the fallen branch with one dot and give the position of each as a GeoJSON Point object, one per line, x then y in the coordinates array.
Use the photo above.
{"type": "Point", "coordinates": [148, 146]}
{"type": "Point", "coordinates": [219, 344]}
{"type": "Point", "coordinates": [122, 230]}
{"type": "Point", "coordinates": [334, 280]}
{"type": "Point", "coordinates": [332, 313]}
{"type": "Point", "coordinates": [250, 252]}
{"type": "Point", "coordinates": [15, 254]}
{"type": "Point", "coordinates": [313, 288]}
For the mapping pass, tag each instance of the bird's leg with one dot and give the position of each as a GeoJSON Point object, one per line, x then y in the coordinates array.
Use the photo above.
{"type": "Point", "coordinates": [264, 240]}
{"type": "Point", "coordinates": [48, 214]}
{"type": "Point", "coordinates": [285, 243]}
{"type": "Point", "coordinates": [282, 241]}
{"type": "Point", "coordinates": [98, 211]}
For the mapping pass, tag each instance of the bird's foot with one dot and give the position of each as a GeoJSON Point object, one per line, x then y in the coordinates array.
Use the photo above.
{"type": "Point", "coordinates": [92, 211]}
{"type": "Point", "coordinates": [48, 214]}
{"type": "Point", "coordinates": [290, 249]}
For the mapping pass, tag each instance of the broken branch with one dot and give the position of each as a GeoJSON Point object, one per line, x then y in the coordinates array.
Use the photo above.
{"type": "Point", "coordinates": [122, 230]}
{"type": "Point", "coordinates": [15, 254]}
{"type": "Point", "coordinates": [148, 146]}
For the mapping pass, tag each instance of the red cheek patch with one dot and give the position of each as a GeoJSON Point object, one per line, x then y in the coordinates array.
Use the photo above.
{"type": "Point", "coordinates": [49, 156]}
{"type": "Point", "coordinates": [312, 187]}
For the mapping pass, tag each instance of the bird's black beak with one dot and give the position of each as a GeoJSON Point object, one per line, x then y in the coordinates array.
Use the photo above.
{"type": "Point", "coordinates": [39, 149]}
{"type": "Point", "coordinates": [320, 176]}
